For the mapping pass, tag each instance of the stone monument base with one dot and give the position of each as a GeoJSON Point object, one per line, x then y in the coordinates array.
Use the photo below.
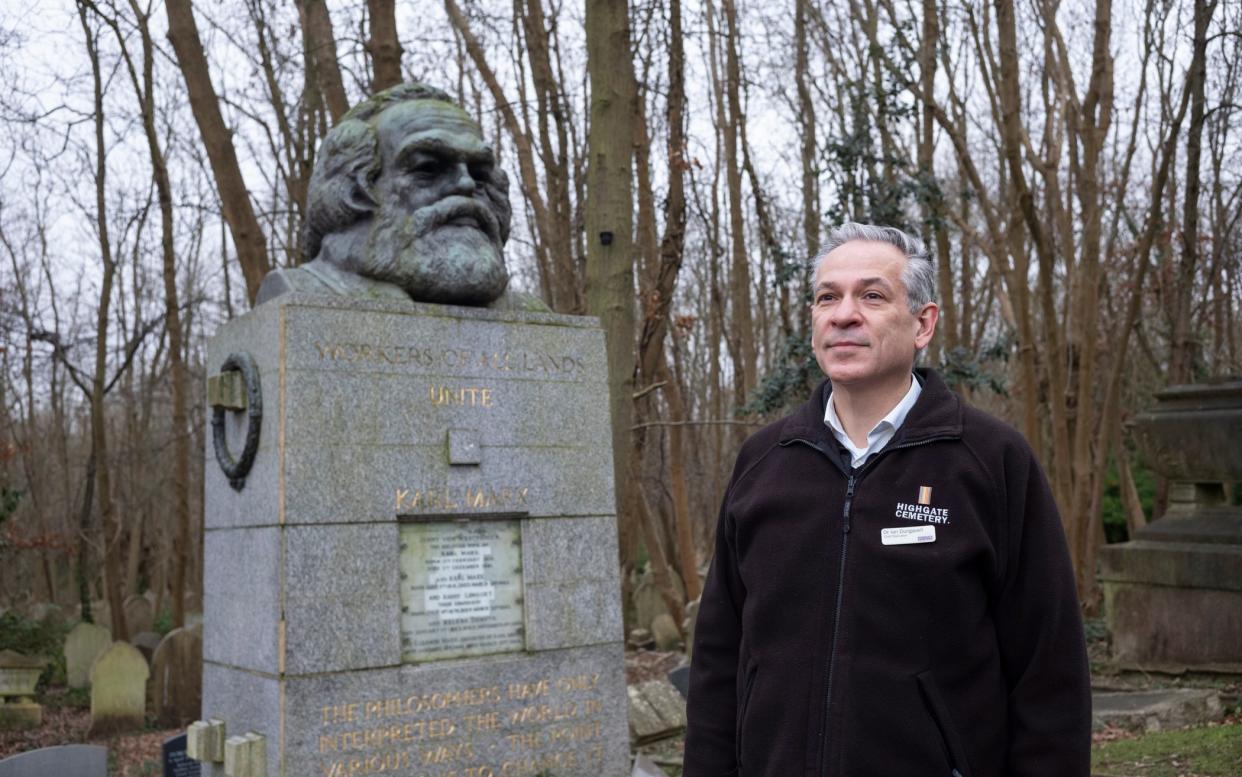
{"type": "Point", "coordinates": [417, 576]}
{"type": "Point", "coordinates": [1173, 596]}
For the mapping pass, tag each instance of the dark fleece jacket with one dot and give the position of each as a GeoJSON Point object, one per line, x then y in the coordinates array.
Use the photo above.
{"type": "Point", "coordinates": [822, 651]}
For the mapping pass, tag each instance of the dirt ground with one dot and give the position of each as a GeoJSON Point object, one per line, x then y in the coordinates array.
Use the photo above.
{"type": "Point", "coordinates": [66, 718]}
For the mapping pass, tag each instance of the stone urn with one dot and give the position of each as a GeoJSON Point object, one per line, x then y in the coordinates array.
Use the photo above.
{"type": "Point", "coordinates": [18, 676]}
{"type": "Point", "coordinates": [1173, 594]}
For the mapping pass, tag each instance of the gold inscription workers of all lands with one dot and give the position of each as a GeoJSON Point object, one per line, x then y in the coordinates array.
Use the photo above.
{"type": "Point", "coordinates": [490, 498]}
{"type": "Point", "coordinates": [533, 363]}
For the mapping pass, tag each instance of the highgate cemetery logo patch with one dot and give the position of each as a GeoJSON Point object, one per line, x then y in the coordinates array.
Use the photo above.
{"type": "Point", "coordinates": [922, 510]}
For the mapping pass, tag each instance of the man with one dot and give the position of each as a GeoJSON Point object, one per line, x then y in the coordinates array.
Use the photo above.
{"type": "Point", "coordinates": [405, 202]}
{"type": "Point", "coordinates": [891, 593]}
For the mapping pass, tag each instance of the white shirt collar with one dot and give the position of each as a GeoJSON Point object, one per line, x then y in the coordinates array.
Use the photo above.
{"type": "Point", "coordinates": [881, 433]}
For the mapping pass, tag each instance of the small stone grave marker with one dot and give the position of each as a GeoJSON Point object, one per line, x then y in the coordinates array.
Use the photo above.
{"type": "Point", "coordinates": [146, 642]}
{"type": "Point", "coordinates": [176, 762]}
{"type": "Point", "coordinates": [18, 676]}
{"type": "Point", "coordinates": [177, 676]}
{"type": "Point", "coordinates": [62, 761]}
{"type": "Point", "coordinates": [83, 645]}
{"type": "Point", "coordinates": [118, 689]}
{"type": "Point", "coordinates": [139, 614]}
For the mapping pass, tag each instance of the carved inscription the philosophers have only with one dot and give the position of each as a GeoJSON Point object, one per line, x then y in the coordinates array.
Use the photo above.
{"type": "Point", "coordinates": [517, 729]}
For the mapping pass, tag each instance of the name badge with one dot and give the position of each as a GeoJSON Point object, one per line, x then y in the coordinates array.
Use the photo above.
{"type": "Point", "coordinates": [908, 535]}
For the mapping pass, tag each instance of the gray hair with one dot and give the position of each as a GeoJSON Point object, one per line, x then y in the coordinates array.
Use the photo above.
{"type": "Point", "coordinates": [919, 275]}
{"type": "Point", "coordinates": [348, 162]}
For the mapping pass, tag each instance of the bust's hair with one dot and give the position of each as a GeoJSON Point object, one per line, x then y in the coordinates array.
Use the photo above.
{"type": "Point", "coordinates": [341, 194]}
{"type": "Point", "coordinates": [919, 274]}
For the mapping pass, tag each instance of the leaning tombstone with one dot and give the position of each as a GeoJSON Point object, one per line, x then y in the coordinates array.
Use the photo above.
{"type": "Point", "coordinates": [19, 674]}
{"type": "Point", "coordinates": [139, 614]}
{"type": "Point", "coordinates": [118, 690]}
{"type": "Point", "coordinates": [59, 761]}
{"type": "Point", "coordinates": [177, 677]}
{"type": "Point", "coordinates": [82, 646]}
{"type": "Point", "coordinates": [175, 760]}
{"type": "Point", "coordinates": [146, 642]}
{"type": "Point", "coordinates": [410, 555]}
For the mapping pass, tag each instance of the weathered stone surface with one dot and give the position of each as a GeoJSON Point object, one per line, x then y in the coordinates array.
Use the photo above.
{"type": "Point", "coordinates": [1196, 626]}
{"type": "Point", "coordinates": [205, 740]}
{"type": "Point", "coordinates": [1174, 593]}
{"type": "Point", "coordinates": [396, 447]}
{"type": "Point", "coordinates": [665, 633]}
{"type": "Point", "coordinates": [587, 612]}
{"type": "Point", "coordinates": [645, 723]}
{"type": "Point", "coordinates": [146, 642]}
{"type": "Point", "coordinates": [139, 614]}
{"type": "Point", "coordinates": [82, 646]}
{"type": "Point", "coordinates": [177, 677]}
{"type": "Point", "coordinates": [1196, 565]}
{"type": "Point", "coordinates": [648, 603]}
{"type": "Point", "coordinates": [20, 714]}
{"type": "Point", "coordinates": [118, 690]}
{"type": "Point", "coordinates": [61, 761]}
{"type": "Point", "coordinates": [342, 609]}
{"type": "Point", "coordinates": [485, 712]}
{"type": "Point", "coordinates": [657, 710]}
{"type": "Point", "coordinates": [691, 620]}
{"type": "Point", "coordinates": [641, 639]}
{"type": "Point", "coordinates": [1191, 432]}
{"type": "Point", "coordinates": [242, 596]}
{"type": "Point", "coordinates": [665, 700]}
{"type": "Point", "coordinates": [1147, 711]}
{"type": "Point", "coordinates": [19, 673]}
{"type": "Point", "coordinates": [302, 639]}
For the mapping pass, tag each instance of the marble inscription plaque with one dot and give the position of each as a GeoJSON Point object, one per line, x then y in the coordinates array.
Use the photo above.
{"type": "Point", "coordinates": [461, 589]}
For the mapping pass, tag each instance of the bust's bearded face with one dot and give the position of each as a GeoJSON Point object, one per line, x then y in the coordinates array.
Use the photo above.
{"type": "Point", "coordinates": [435, 232]}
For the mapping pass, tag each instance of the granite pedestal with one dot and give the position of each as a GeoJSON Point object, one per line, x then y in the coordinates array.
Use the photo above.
{"type": "Point", "coordinates": [418, 575]}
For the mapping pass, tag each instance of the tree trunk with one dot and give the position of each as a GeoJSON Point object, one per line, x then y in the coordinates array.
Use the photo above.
{"type": "Point", "coordinates": [610, 229]}
{"type": "Point", "coordinates": [172, 320]}
{"type": "Point", "coordinates": [218, 141]}
{"type": "Point", "coordinates": [742, 332]}
{"type": "Point", "coordinates": [384, 46]}
{"type": "Point", "coordinates": [321, 44]}
{"type": "Point", "coordinates": [806, 121]}
{"type": "Point", "coordinates": [99, 421]}
{"type": "Point", "coordinates": [1183, 343]}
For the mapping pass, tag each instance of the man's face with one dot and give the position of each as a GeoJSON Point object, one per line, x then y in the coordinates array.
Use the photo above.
{"type": "Point", "coordinates": [435, 233]}
{"type": "Point", "coordinates": [862, 330]}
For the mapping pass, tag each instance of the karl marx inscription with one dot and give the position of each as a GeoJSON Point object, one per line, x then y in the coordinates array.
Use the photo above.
{"type": "Point", "coordinates": [461, 589]}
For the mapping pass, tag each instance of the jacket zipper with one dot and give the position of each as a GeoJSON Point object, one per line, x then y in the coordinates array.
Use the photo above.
{"type": "Point", "coordinates": [853, 475]}
{"type": "Point", "coordinates": [836, 618]}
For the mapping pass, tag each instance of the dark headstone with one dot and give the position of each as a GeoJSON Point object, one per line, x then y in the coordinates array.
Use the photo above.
{"type": "Point", "coordinates": [176, 762]}
{"type": "Point", "coordinates": [62, 761]}
{"type": "Point", "coordinates": [680, 678]}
